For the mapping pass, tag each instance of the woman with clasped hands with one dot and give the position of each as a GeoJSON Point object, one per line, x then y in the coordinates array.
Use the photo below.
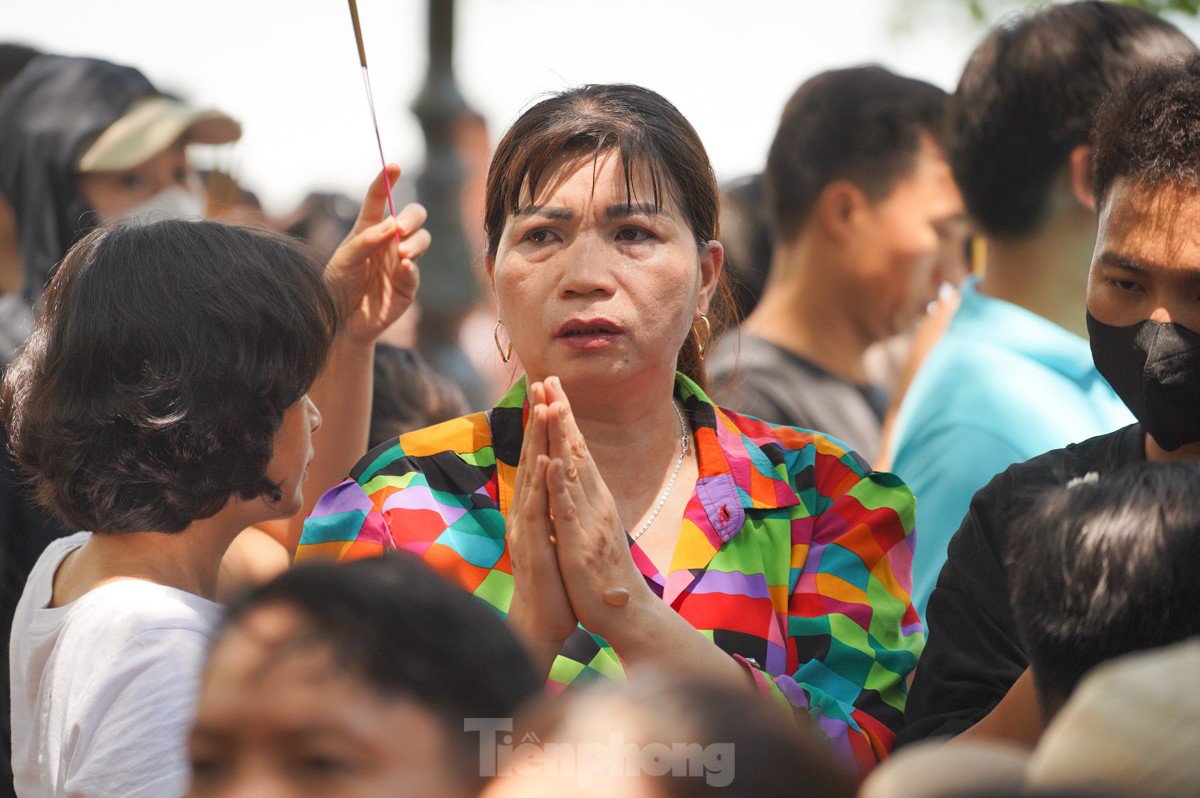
{"type": "Point", "coordinates": [616, 515]}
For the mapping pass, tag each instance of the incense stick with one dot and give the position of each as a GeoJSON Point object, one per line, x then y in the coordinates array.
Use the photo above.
{"type": "Point", "coordinates": [362, 59]}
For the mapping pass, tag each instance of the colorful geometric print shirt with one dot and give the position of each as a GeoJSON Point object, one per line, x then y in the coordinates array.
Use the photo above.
{"type": "Point", "coordinates": [793, 556]}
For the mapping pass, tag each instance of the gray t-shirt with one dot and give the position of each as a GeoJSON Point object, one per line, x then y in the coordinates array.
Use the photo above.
{"type": "Point", "coordinates": [753, 376]}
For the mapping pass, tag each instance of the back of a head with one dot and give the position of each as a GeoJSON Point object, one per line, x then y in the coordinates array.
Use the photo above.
{"type": "Point", "coordinates": [1028, 97]}
{"type": "Point", "coordinates": [1106, 567]}
{"type": "Point", "coordinates": [1150, 752]}
{"type": "Point", "coordinates": [862, 124]}
{"type": "Point", "coordinates": [407, 633]}
{"type": "Point", "coordinates": [746, 234]}
{"type": "Point", "coordinates": [192, 339]}
{"type": "Point", "coordinates": [675, 737]}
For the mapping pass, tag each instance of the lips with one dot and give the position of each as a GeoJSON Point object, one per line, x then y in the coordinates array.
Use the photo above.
{"type": "Point", "coordinates": [588, 334]}
{"type": "Point", "coordinates": [589, 327]}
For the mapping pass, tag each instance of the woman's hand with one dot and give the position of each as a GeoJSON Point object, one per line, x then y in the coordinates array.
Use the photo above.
{"type": "Point", "coordinates": [540, 612]}
{"type": "Point", "coordinates": [606, 589]}
{"type": "Point", "coordinates": [378, 277]}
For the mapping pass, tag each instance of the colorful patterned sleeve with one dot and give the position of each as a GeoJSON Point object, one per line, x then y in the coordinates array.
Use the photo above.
{"type": "Point", "coordinates": [344, 525]}
{"type": "Point", "coordinates": [850, 615]}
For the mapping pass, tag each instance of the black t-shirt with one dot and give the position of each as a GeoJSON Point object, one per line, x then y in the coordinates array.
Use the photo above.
{"type": "Point", "coordinates": [758, 378]}
{"type": "Point", "coordinates": [974, 653]}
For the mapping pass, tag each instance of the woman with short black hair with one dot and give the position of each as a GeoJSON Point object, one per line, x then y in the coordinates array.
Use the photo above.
{"type": "Point", "coordinates": [162, 404]}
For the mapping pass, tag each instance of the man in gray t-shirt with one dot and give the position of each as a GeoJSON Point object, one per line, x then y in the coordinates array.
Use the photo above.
{"type": "Point", "coordinates": [867, 223]}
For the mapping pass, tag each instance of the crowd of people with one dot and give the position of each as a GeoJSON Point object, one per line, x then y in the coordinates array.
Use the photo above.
{"type": "Point", "coordinates": [875, 474]}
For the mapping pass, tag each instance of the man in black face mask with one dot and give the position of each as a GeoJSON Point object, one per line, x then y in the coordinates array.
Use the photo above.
{"type": "Point", "coordinates": [1143, 318]}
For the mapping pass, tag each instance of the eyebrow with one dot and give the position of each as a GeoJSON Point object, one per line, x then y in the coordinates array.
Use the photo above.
{"type": "Point", "coordinates": [621, 211]}
{"type": "Point", "coordinates": [557, 213]}
{"type": "Point", "coordinates": [1127, 263]}
{"type": "Point", "coordinates": [627, 209]}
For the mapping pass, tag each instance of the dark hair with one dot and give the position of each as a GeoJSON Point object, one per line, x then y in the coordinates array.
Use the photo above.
{"type": "Point", "coordinates": [151, 389]}
{"type": "Point", "coordinates": [1028, 97]}
{"type": "Point", "coordinates": [647, 131]}
{"type": "Point", "coordinates": [407, 633]}
{"type": "Point", "coordinates": [1149, 129]}
{"type": "Point", "coordinates": [770, 754]}
{"type": "Point", "coordinates": [13, 58]}
{"type": "Point", "coordinates": [1104, 568]}
{"type": "Point", "coordinates": [746, 234]}
{"type": "Point", "coordinates": [409, 395]}
{"type": "Point", "coordinates": [861, 124]}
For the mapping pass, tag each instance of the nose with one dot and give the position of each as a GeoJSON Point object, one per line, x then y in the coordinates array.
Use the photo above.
{"type": "Point", "coordinates": [587, 269]}
{"type": "Point", "coordinates": [314, 414]}
{"type": "Point", "coordinates": [1161, 314]}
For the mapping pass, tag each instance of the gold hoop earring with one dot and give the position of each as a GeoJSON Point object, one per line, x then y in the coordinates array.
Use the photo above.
{"type": "Point", "coordinates": [505, 355]}
{"type": "Point", "coordinates": [700, 345]}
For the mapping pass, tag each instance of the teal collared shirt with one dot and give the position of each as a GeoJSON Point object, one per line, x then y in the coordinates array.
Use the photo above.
{"type": "Point", "coordinates": [1002, 386]}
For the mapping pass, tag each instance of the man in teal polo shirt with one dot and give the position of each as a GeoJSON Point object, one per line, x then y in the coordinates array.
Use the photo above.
{"type": "Point", "coordinates": [1013, 376]}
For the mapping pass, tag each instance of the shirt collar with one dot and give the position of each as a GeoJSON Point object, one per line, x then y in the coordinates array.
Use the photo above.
{"type": "Point", "coordinates": [1002, 323]}
{"type": "Point", "coordinates": [736, 474]}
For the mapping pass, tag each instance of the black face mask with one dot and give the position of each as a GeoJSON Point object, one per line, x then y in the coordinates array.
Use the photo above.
{"type": "Point", "coordinates": [1155, 369]}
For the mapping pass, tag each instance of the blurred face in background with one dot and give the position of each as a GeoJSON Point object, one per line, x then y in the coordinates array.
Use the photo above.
{"type": "Point", "coordinates": [280, 717]}
{"type": "Point", "coordinates": [166, 178]}
{"type": "Point", "coordinates": [903, 246]}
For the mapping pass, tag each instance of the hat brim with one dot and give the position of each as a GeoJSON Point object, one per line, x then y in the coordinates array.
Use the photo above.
{"type": "Point", "coordinates": [152, 125]}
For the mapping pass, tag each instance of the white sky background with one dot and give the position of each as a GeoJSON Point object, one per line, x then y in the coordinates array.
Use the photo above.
{"type": "Point", "coordinates": [288, 69]}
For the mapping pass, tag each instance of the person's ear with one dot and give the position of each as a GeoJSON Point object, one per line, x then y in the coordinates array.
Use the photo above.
{"type": "Point", "coordinates": [712, 261]}
{"type": "Point", "coordinates": [1079, 175]}
{"type": "Point", "coordinates": [839, 210]}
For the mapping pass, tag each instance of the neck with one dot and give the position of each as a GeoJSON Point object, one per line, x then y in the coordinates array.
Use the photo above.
{"type": "Point", "coordinates": [633, 437]}
{"type": "Point", "coordinates": [800, 312]}
{"type": "Point", "coordinates": [1157, 454]}
{"type": "Point", "coordinates": [188, 560]}
{"type": "Point", "coordinates": [1046, 273]}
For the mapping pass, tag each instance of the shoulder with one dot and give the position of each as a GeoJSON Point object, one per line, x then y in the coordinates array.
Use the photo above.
{"type": "Point", "coordinates": [136, 613]}
{"type": "Point", "coordinates": [465, 437]}
{"type": "Point", "coordinates": [821, 469]}
{"type": "Point", "coordinates": [1011, 491]}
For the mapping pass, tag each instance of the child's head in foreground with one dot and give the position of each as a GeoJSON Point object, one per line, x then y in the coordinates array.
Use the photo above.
{"type": "Point", "coordinates": [1107, 566]}
{"type": "Point", "coordinates": [166, 379]}
{"type": "Point", "coordinates": [362, 679]}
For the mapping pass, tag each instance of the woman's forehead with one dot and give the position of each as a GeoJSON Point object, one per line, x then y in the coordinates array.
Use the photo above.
{"type": "Point", "coordinates": [603, 176]}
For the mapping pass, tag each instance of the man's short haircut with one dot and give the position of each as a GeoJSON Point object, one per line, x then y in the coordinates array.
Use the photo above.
{"type": "Point", "coordinates": [861, 124]}
{"type": "Point", "coordinates": [1106, 567]}
{"type": "Point", "coordinates": [1148, 131]}
{"type": "Point", "coordinates": [407, 633]}
{"type": "Point", "coordinates": [152, 387]}
{"type": "Point", "coordinates": [1028, 96]}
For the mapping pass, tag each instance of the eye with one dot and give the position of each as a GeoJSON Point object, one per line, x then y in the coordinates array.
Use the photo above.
{"type": "Point", "coordinates": [1124, 285]}
{"type": "Point", "coordinates": [181, 175]}
{"type": "Point", "coordinates": [322, 766]}
{"type": "Point", "coordinates": [539, 235]}
{"type": "Point", "coordinates": [634, 235]}
{"type": "Point", "coordinates": [130, 180]}
{"type": "Point", "coordinates": [207, 768]}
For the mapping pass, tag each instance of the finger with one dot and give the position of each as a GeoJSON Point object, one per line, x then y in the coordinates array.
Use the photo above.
{"type": "Point", "coordinates": [411, 217]}
{"type": "Point", "coordinates": [415, 244]}
{"type": "Point", "coordinates": [568, 444]}
{"type": "Point", "coordinates": [362, 244]}
{"type": "Point", "coordinates": [537, 393]}
{"type": "Point", "coordinates": [525, 464]}
{"type": "Point", "coordinates": [375, 204]}
{"type": "Point", "coordinates": [563, 505]}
